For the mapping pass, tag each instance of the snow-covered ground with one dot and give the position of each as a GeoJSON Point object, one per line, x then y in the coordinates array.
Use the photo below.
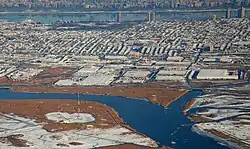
{"type": "Point", "coordinates": [218, 101]}
{"type": "Point", "coordinates": [218, 114]}
{"type": "Point", "coordinates": [24, 74]}
{"type": "Point", "coordinates": [230, 128]}
{"type": "Point", "coordinates": [64, 117]}
{"type": "Point", "coordinates": [95, 79]}
{"type": "Point", "coordinates": [39, 138]}
{"type": "Point", "coordinates": [232, 111]}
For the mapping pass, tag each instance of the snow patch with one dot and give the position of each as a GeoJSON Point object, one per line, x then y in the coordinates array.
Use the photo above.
{"type": "Point", "coordinates": [64, 117]}
{"type": "Point", "coordinates": [89, 138]}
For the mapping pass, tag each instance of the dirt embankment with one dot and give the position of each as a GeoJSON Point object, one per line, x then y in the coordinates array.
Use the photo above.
{"type": "Point", "coordinates": [218, 133]}
{"type": "Point", "coordinates": [188, 106]}
{"type": "Point", "coordinates": [156, 94]}
{"type": "Point", "coordinates": [105, 116]}
{"type": "Point", "coordinates": [194, 117]}
{"type": "Point", "coordinates": [199, 119]}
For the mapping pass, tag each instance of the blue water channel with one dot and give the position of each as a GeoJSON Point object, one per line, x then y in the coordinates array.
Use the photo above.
{"type": "Point", "coordinates": [168, 126]}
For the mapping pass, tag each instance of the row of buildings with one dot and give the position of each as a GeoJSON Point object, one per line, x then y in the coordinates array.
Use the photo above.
{"type": "Point", "coordinates": [151, 51]}
{"type": "Point", "coordinates": [118, 4]}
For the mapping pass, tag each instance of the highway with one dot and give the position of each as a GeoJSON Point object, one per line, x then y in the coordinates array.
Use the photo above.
{"type": "Point", "coordinates": [123, 12]}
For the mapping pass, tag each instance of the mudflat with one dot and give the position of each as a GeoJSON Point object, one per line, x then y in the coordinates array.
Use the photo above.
{"type": "Point", "coordinates": [106, 120]}
{"type": "Point", "coordinates": [155, 93]}
{"type": "Point", "coordinates": [105, 117]}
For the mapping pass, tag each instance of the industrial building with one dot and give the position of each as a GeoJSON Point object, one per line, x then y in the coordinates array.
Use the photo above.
{"type": "Point", "coordinates": [216, 74]}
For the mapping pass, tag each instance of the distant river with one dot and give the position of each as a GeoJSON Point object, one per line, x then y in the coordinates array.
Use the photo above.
{"type": "Point", "coordinates": [167, 126]}
{"type": "Point", "coordinates": [50, 18]}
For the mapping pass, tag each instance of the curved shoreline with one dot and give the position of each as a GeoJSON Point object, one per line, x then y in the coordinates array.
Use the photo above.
{"type": "Point", "coordinates": [155, 94]}
{"type": "Point", "coordinates": [198, 119]}
{"type": "Point", "coordinates": [219, 136]}
{"type": "Point", "coordinates": [36, 109]}
{"type": "Point", "coordinates": [132, 146]}
{"type": "Point", "coordinates": [164, 102]}
{"type": "Point", "coordinates": [203, 124]}
{"type": "Point", "coordinates": [188, 106]}
{"type": "Point", "coordinates": [146, 117]}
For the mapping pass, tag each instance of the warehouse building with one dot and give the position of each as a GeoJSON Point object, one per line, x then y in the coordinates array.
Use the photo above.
{"type": "Point", "coordinates": [215, 74]}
